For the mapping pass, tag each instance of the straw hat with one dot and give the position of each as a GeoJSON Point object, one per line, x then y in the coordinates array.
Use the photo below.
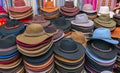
{"type": "Point", "coordinates": [116, 33]}
{"type": "Point", "coordinates": [34, 33]}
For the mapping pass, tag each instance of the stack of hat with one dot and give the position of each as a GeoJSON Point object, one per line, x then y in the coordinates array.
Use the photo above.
{"type": "Point", "coordinates": [20, 10]}
{"type": "Point", "coordinates": [69, 10]}
{"type": "Point", "coordinates": [101, 53]}
{"type": "Point", "coordinates": [81, 23]}
{"type": "Point", "coordinates": [57, 33]}
{"type": "Point", "coordinates": [88, 9]}
{"type": "Point", "coordinates": [69, 56]}
{"type": "Point", "coordinates": [49, 10]}
{"type": "Point", "coordinates": [62, 24]}
{"type": "Point", "coordinates": [105, 21]}
{"type": "Point", "coordinates": [12, 27]}
{"type": "Point", "coordinates": [40, 19]}
{"type": "Point", "coordinates": [35, 45]}
{"type": "Point", "coordinates": [10, 58]}
{"type": "Point", "coordinates": [116, 35]}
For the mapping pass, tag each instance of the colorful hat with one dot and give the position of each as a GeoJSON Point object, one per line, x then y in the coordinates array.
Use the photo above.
{"type": "Point", "coordinates": [115, 33]}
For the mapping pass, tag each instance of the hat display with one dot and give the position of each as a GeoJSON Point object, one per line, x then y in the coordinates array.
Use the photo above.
{"type": "Point", "coordinates": [105, 21]}
{"type": "Point", "coordinates": [103, 34]}
{"type": "Point", "coordinates": [69, 9]}
{"type": "Point", "coordinates": [20, 10]}
{"type": "Point", "coordinates": [62, 24]}
{"type": "Point", "coordinates": [40, 19]}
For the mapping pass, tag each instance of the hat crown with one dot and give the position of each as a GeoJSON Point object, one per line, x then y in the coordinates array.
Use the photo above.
{"type": "Point", "coordinates": [102, 33]}
{"type": "Point", "coordinates": [116, 31]}
{"type": "Point", "coordinates": [34, 29]}
{"type": "Point", "coordinates": [60, 21]}
{"type": "Point", "coordinates": [81, 18]}
{"type": "Point", "coordinates": [19, 3]}
{"type": "Point", "coordinates": [51, 29]}
{"type": "Point", "coordinates": [105, 17]}
{"type": "Point", "coordinates": [49, 4]}
{"type": "Point", "coordinates": [88, 7]}
{"type": "Point", "coordinates": [71, 47]}
{"type": "Point", "coordinates": [104, 10]}
{"type": "Point", "coordinates": [69, 4]}
{"type": "Point", "coordinates": [39, 18]}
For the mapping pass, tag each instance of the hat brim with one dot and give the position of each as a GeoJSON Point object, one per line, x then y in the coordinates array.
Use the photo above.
{"type": "Point", "coordinates": [90, 23]}
{"type": "Point", "coordinates": [91, 11]}
{"type": "Point", "coordinates": [49, 9]}
{"type": "Point", "coordinates": [115, 35]}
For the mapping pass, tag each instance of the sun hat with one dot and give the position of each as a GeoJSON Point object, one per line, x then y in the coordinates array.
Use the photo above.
{"type": "Point", "coordinates": [62, 24]}
{"type": "Point", "coordinates": [115, 33]}
{"type": "Point", "coordinates": [82, 20]}
{"type": "Point", "coordinates": [103, 34]}
{"type": "Point", "coordinates": [39, 19]}
{"type": "Point", "coordinates": [12, 27]}
{"type": "Point", "coordinates": [88, 8]}
{"type": "Point", "coordinates": [72, 51]}
{"type": "Point", "coordinates": [49, 7]}
{"type": "Point", "coordinates": [102, 49]}
{"type": "Point", "coordinates": [34, 33]}
{"type": "Point", "coordinates": [79, 37]}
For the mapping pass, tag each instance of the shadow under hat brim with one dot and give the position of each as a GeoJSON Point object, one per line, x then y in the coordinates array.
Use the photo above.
{"type": "Point", "coordinates": [90, 23]}
{"type": "Point", "coordinates": [103, 55]}
{"type": "Point", "coordinates": [72, 56]}
{"type": "Point", "coordinates": [35, 40]}
{"type": "Point", "coordinates": [49, 9]}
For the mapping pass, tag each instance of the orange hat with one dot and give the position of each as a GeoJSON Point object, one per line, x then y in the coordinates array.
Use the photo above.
{"type": "Point", "coordinates": [49, 7]}
{"type": "Point", "coordinates": [116, 33]}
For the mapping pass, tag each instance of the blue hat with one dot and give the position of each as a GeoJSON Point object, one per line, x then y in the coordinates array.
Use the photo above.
{"type": "Point", "coordinates": [103, 34]}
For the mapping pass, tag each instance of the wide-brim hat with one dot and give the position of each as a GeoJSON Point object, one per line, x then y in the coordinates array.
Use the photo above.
{"type": "Point", "coordinates": [115, 33]}
{"type": "Point", "coordinates": [77, 49]}
{"type": "Point", "coordinates": [103, 50]}
{"type": "Point", "coordinates": [88, 24]}
{"type": "Point", "coordinates": [91, 11]}
{"type": "Point", "coordinates": [49, 9]}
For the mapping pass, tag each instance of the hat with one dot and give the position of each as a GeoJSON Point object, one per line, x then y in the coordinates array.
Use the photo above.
{"type": "Point", "coordinates": [72, 51]}
{"type": "Point", "coordinates": [79, 37]}
{"type": "Point", "coordinates": [3, 13]}
{"type": "Point", "coordinates": [34, 33]}
{"type": "Point", "coordinates": [52, 16]}
{"type": "Point", "coordinates": [105, 21]}
{"type": "Point", "coordinates": [62, 24]}
{"type": "Point", "coordinates": [102, 49]}
{"type": "Point", "coordinates": [117, 14]}
{"type": "Point", "coordinates": [49, 7]}
{"type": "Point", "coordinates": [18, 3]}
{"type": "Point", "coordinates": [115, 33]}
{"type": "Point", "coordinates": [88, 8]}
{"type": "Point", "coordinates": [39, 19]}
{"type": "Point", "coordinates": [82, 20]}
{"type": "Point", "coordinates": [103, 34]}
{"type": "Point", "coordinates": [12, 27]}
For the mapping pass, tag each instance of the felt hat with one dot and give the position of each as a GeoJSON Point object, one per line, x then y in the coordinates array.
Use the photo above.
{"type": "Point", "coordinates": [103, 34]}
{"type": "Point", "coordinates": [79, 37]}
{"type": "Point", "coordinates": [49, 7]}
{"type": "Point", "coordinates": [62, 24]}
{"type": "Point", "coordinates": [34, 33]}
{"type": "Point", "coordinates": [115, 33]}
{"type": "Point", "coordinates": [12, 27]}
{"type": "Point", "coordinates": [82, 20]}
{"type": "Point", "coordinates": [102, 49]}
{"type": "Point", "coordinates": [105, 21]}
{"type": "Point", "coordinates": [72, 51]}
{"type": "Point", "coordinates": [88, 8]}
{"type": "Point", "coordinates": [39, 19]}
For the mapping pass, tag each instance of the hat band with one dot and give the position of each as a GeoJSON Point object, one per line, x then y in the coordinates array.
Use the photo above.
{"type": "Point", "coordinates": [106, 22]}
{"type": "Point", "coordinates": [11, 27]}
{"type": "Point", "coordinates": [109, 50]}
{"type": "Point", "coordinates": [34, 35]}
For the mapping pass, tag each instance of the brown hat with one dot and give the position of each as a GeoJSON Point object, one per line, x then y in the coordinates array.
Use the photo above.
{"type": "Point", "coordinates": [79, 37]}
{"type": "Point", "coordinates": [34, 33]}
{"type": "Point", "coordinates": [39, 19]}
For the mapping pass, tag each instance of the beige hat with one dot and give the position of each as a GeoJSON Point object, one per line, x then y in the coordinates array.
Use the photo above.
{"type": "Point", "coordinates": [79, 37]}
{"type": "Point", "coordinates": [33, 34]}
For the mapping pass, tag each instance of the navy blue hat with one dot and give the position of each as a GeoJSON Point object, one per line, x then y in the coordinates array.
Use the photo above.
{"type": "Point", "coordinates": [12, 27]}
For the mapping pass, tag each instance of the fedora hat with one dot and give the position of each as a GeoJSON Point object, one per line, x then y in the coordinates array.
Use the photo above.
{"type": "Point", "coordinates": [115, 33]}
{"type": "Point", "coordinates": [12, 27]}
{"type": "Point", "coordinates": [62, 24]}
{"type": "Point", "coordinates": [49, 7]}
{"type": "Point", "coordinates": [88, 8]}
{"type": "Point", "coordinates": [34, 33]}
{"type": "Point", "coordinates": [103, 34]}
{"type": "Point", "coordinates": [39, 19]}
{"type": "Point", "coordinates": [79, 37]}
{"type": "Point", "coordinates": [72, 51]}
{"type": "Point", "coordinates": [82, 20]}
{"type": "Point", "coordinates": [102, 49]}
{"type": "Point", "coordinates": [105, 21]}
